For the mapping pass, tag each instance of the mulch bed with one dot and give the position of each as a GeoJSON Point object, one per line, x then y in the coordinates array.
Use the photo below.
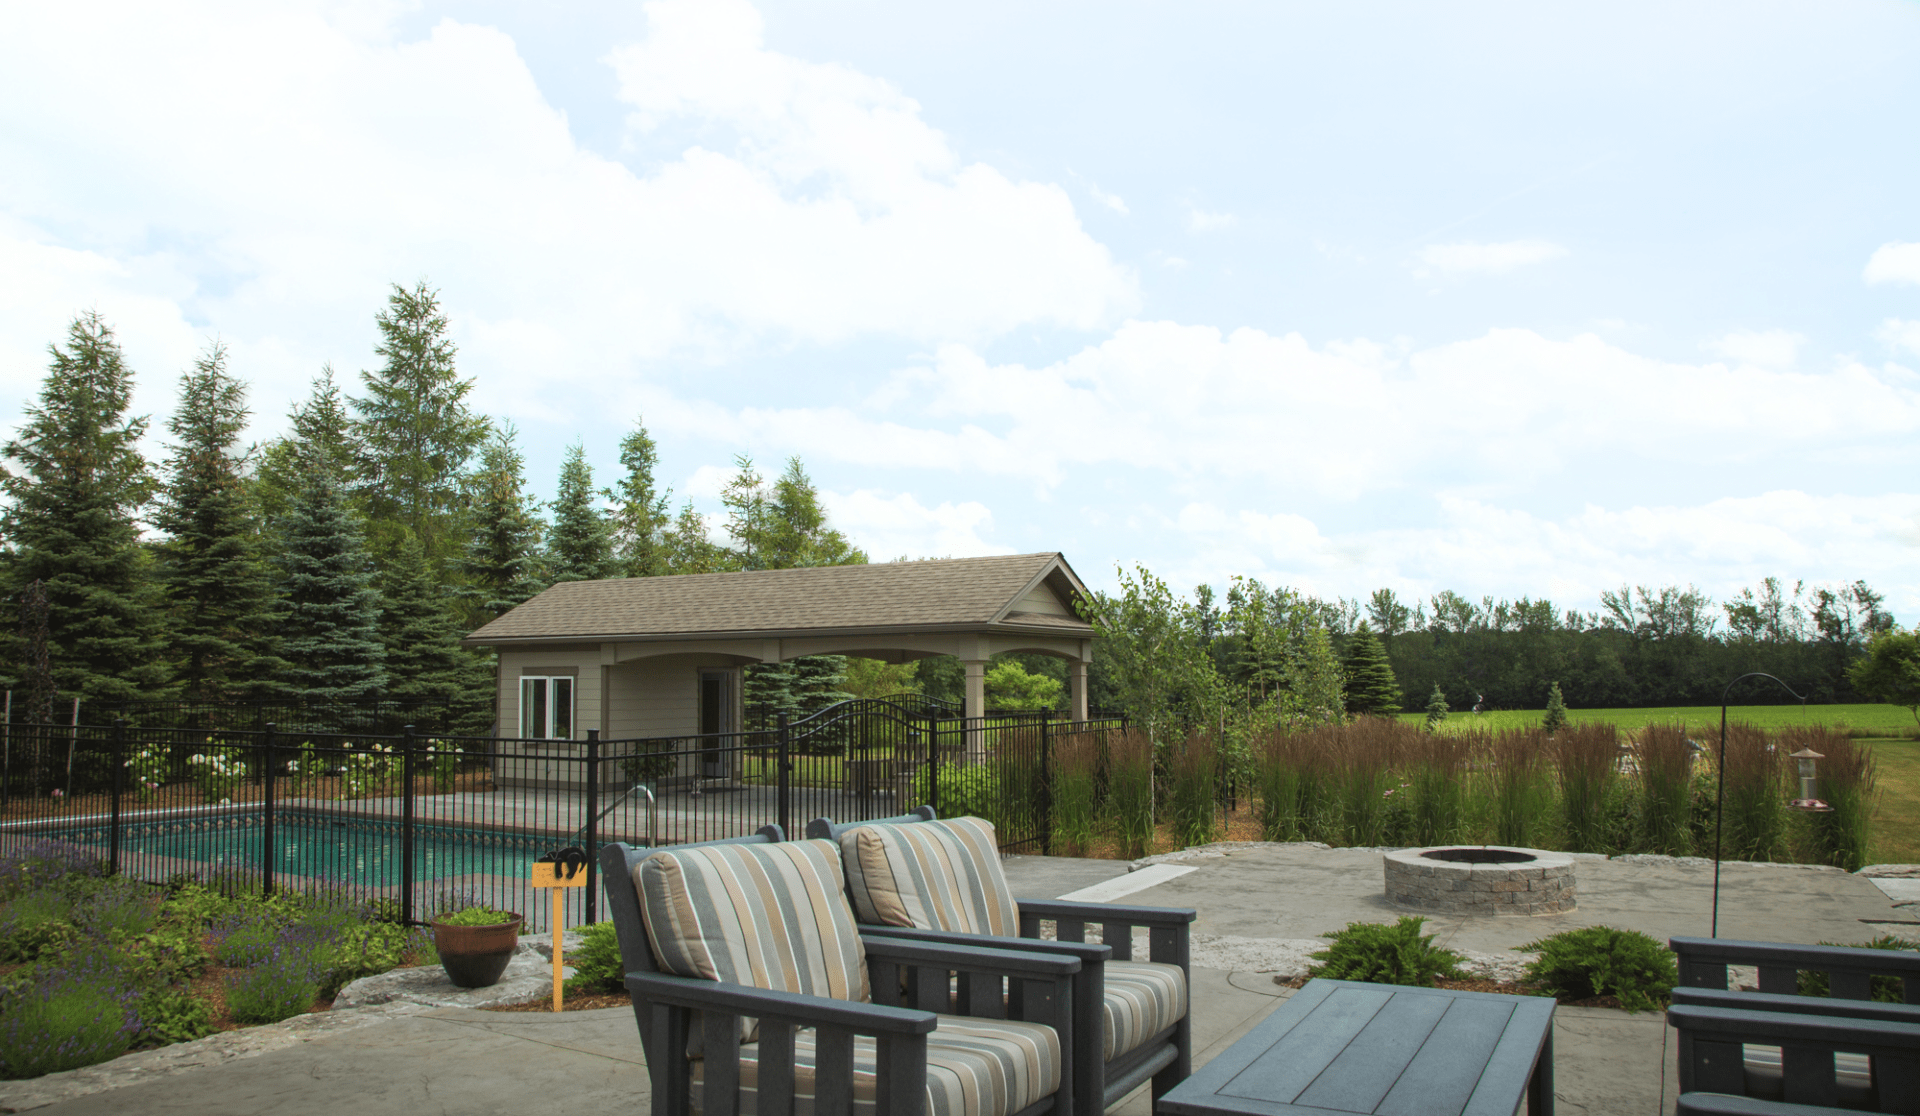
{"type": "Point", "coordinates": [583, 1002]}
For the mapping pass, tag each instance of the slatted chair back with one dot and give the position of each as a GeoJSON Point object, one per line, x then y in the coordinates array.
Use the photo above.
{"type": "Point", "coordinates": [1850, 969]}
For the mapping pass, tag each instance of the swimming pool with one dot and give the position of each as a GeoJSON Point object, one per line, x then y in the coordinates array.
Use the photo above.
{"type": "Point", "coordinates": [342, 848]}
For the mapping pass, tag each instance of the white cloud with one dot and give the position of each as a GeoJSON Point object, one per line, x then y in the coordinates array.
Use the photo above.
{"type": "Point", "coordinates": [820, 207]}
{"type": "Point", "coordinates": [1484, 259]}
{"type": "Point", "coordinates": [1772, 348]}
{"type": "Point", "coordinates": [1481, 548]}
{"type": "Point", "coordinates": [1900, 335]}
{"type": "Point", "coordinates": [897, 525]}
{"type": "Point", "coordinates": [1199, 220]}
{"type": "Point", "coordinates": [1894, 262]}
{"type": "Point", "coordinates": [1111, 201]}
{"type": "Point", "coordinates": [1506, 409]}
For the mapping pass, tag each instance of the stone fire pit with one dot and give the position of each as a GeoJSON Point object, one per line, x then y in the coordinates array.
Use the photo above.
{"type": "Point", "coordinates": [1480, 880]}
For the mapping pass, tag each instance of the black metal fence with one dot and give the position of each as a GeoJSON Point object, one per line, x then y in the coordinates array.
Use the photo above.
{"type": "Point", "coordinates": [432, 821]}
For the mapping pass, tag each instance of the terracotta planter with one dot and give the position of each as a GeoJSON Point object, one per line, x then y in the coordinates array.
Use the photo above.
{"type": "Point", "coordinates": [475, 956]}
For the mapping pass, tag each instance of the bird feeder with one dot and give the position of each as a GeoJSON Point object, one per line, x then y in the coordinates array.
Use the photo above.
{"type": "Point", "coordinates": [1805, 757]}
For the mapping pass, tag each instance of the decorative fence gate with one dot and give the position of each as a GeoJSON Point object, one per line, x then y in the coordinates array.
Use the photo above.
{"type": "Point", "coordinates": [428, 822]}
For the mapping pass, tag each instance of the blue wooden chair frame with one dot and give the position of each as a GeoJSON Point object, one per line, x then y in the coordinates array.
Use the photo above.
{"type": "Point", "coordinates": [1166, 1059]}
{"type": "Point", "coordinates": [908, 978]}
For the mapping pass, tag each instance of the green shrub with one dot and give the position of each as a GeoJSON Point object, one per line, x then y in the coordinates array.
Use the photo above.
{"type": "Point", "coordinates": [597, 966]}
{"type": "Point", "coordinates": [118, 909]}
{"type": "Point", "coordinates": [169, 1015]}
{"type": "Point", "coordinates": [278, 988]}
{"type": "Point", "coordinates": [1885, 989]}
{"type": "Point", "coordinates": [36, 924]}
{"type": "Point", "coordinates": [1601, 961]}
{"type": "Point", "coordinates": [1386, 954]}
{"type": "Point", "coordinates": [963, 791]}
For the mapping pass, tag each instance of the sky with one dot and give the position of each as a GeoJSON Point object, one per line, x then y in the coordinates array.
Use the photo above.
{"type": "Point", "coordinates": [1509, 299]}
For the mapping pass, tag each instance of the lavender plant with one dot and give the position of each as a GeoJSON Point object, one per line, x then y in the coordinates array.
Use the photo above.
{"type": "Point", "coordinates": [70, 1017]}
{"type": "Point", "coordinates": [283, 982]}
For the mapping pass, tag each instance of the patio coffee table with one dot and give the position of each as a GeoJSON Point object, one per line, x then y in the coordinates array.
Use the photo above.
{"type": "Point", "coordinates": [1339, 1046]}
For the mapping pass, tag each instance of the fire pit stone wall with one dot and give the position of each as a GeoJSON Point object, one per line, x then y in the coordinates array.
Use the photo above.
{"type": "Point", "coordinates": [1480, 881]}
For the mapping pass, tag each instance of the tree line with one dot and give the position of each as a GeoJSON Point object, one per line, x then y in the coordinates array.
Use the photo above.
{"type": "Point", "coordinates": [343, 559]}
{"type": "Point", "coordinates": [1213, 658]}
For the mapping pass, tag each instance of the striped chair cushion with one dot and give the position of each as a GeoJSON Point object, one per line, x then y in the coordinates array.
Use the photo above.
{"type": "Point", "coordinates": [939, 875]}
{"type": "Point", "coordinates": [1143, 998]}
{"type": "Point", "coordinates": [771, 916]}
{"type": "Point", "coordinates": [975, 1067]}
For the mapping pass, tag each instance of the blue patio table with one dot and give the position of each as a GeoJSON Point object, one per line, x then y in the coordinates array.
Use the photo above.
{"type": "Point", "coordinates": [1339, 1046]}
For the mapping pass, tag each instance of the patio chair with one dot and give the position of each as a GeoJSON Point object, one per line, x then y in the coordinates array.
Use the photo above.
{"type": "Point", "coordinates": [1766, 1069]}
{"type": "Point", "coordinates": [1882, 1074]}
{"type": "Point", "coordinates": [941, 881]}
{"type": "Point", "coordinates": [753, 991]}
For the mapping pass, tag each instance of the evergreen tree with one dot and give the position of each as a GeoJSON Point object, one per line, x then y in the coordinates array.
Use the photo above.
{"type": "Point", "coordinates": [817, 681]}
{"type": "Point", "coordinates": [1556, 718]}
{"type": "Point", "coordinates": [211, 568]}
{"type": "Point", "coordinates": [502, 567]}
{"type": "Point", "coordinates": [424, 660]}
{"type": "Point", "coordinates": [330, 619]}
{"type": "Point", "coordinates": [413, 431]}
{"type": "Point", "coordinates": [782, 526]}
{"type": "Point", "coordinates": [580, 546]}
{"type": "Point", "coordinates": [79, 480]}
{"type": "Point", "coordinates": [1315, 680]}
{"type": "Point", "coordinates": [689, 550]}
{"type": "Point", "coordinates": [321, 437]}
{"type": "Point", "coordinates": [1436, 709]}
{"type": "Point", "coordinates": [768, 690]}
{"type": "Point", "coordinates": [1371, 687]}
{"type": "Point", "coordinates": [641, 522]}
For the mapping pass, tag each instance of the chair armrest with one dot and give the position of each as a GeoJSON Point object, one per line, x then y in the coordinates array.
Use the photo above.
{"type": "Point", "coordinates": [1107, 912]}
{"type": "Point", "coordinates": [1085, 951]}
{"type": "Point", "coordinates": [739, 999]}
{"type": "Point", "coordinates": [969, 958]}
{"type": "Point", "coordinates": [1797, 1005]}
{"type": "Point", "coordinates": [1761, 1026]}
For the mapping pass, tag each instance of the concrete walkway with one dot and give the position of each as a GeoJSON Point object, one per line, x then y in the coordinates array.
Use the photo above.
{"type": "Point", "coordinates": [405, 1060]}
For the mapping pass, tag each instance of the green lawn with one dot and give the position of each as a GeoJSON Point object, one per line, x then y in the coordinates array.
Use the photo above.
{"type": "Point", "coordinates": [1896, 824]}
{"type": "Point", "coordinates": [1874, 720]}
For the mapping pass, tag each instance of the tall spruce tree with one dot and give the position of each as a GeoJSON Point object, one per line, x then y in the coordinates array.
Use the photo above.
{"type": "Point", "coordinates": [330, 618]}
{"type": "Point", "coordinates": [641, 522]}
{"type": "Point", "coordinates": [1371, 687]}
{"type": "Point", "coordinates": [219, 596]}
{"type": "Point", "coordinates": [76, 481]}
{"type": "Point", "coordinates": [424, 660]}
{"type": "Point", "coordinates": [320, 436]}
{"type": "Point", "coordinates": [781, 525]}
{"type": "Point", "coordinates": [503, 566]}
{"type": "Point", "coordinates": [413, 430]}
{"type": "Point", "coordinates": [1436, 710]}
{"type": "Point", "coordinates": [580, 545]}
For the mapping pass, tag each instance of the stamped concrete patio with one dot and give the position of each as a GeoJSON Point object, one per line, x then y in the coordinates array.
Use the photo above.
{"type": "Point", "coordinates": [1259, 906]}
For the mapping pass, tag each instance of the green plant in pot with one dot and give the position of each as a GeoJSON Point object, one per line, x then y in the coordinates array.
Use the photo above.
{"type": "Point", "coordinates": [475, 944]}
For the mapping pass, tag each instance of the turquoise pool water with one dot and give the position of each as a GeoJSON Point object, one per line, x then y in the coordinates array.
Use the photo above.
{"type": "Point", "coordinates": [365, 851]}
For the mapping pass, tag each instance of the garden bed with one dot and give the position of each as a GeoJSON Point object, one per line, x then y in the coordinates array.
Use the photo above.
{"type": "Point", "coordinates": [92, 966]}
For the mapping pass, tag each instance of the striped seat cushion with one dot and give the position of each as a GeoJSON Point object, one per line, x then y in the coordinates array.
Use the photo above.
{"type": "Point", "coordinates": [939, 875]}
{"type": "Point", "coordinates": [771, 916]}
{"type": "Point", "coordinates": [975, 1067]}
{"type": "Point", "coordinates": [1143, 998]}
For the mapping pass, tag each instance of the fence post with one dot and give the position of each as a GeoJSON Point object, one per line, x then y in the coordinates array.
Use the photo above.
{"type": "Point", "coordinates": [593, 826]}
{"type": "Point", "coordinates": [118, 780]}
{"type": "Point", "coordinates": [267, 845]}
{"type": "Point", "coordinates": [1046, 786]}
{"type": "Point", "coordinates": [784, 768]}
{"type": "Point", "coordinates": [406, 825]}
{"type": "Point", "coordinates": [933, 763]}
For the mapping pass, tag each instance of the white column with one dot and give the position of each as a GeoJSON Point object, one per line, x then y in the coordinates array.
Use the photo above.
{"type": "Point", "coordinates": [1077, 689]}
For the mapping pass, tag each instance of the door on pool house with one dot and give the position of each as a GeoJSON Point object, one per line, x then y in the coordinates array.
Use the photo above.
{"type": "Point", "coordinates": [717, 718]}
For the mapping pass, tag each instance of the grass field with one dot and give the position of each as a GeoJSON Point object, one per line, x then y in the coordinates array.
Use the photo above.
{"type": "Point", "coordinates": [1864, 720]}
{"type": "Point", "coordinates": [1896, 823]}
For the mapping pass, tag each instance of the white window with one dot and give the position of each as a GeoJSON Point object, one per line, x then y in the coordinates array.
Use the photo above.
{"type": "Point", "coordinates": [546, 707]}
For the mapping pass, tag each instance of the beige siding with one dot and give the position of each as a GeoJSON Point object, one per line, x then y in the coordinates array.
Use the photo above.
{"type": "Point", "coordinates": [586, 693]}
{"type": "Point", "coordinates": [1041, 599]}
{"type": "Point", "coordinates": [659, 695]}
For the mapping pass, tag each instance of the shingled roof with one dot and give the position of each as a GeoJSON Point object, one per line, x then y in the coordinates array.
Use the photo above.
{"type": "Point", "coordinates": [946, 595]}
